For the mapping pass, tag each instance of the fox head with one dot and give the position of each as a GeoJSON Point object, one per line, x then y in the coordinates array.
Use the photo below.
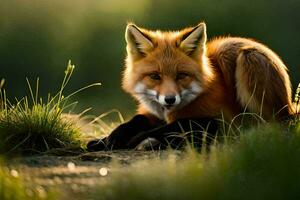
{"type": "Point", "coordinates": [166, 70]}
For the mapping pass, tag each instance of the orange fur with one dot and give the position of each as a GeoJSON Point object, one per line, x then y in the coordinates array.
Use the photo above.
{"type": "Point", "coordinates": [226, 75]}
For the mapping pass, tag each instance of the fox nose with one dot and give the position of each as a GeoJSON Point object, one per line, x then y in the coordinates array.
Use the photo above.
{"type": "Point", "coordinates": [170, 100]}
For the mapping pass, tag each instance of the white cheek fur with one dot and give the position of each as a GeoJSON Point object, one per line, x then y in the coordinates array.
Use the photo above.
{"type": "Point", "coordinates": [196, 88]}
{"type": "Point", "coordinates": [149, 99]}
{"type": "Point", "coordinates": [140, 88]}
{"type": "Point", "coordinates": [191, 93]}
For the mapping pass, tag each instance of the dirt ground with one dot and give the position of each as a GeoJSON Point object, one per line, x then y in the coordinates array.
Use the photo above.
{"type": "Point", "coordinates": [77, 174]}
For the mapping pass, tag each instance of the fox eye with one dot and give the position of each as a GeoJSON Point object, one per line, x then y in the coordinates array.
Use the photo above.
{"type": "Point", "coordinates": [181, 75]}
{"type": "Point", "coordinates": [155, 76]}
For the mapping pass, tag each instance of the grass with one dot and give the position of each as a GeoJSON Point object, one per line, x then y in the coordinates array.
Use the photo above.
{"type": "Point", "coordinates": [12, 187]}
{"type": "Point", "coordinates": [33, 125]}
{"type": "Point", "coordinates": [264, 163]}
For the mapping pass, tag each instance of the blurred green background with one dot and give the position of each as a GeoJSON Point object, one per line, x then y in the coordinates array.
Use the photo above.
{"type": "Point", "coordinates": [37, 38]}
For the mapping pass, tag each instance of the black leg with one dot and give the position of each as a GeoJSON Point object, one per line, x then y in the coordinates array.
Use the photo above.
{"type": "Point", "coordinates": [120, 137]}
{"type": "Point", "coordinates": [179, 133]}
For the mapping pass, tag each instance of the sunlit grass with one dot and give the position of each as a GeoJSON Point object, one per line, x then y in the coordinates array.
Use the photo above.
{"type": "Point", "coordinates": [12, 187]}
{"type": "Point", "coordinates": [297, 100]}
{"type": "Point", "coordinates": [263, 163]}
{"type": "Point", "coordinates": [99, 126]}
{"type": "Point", "coordinates": [32, 125]}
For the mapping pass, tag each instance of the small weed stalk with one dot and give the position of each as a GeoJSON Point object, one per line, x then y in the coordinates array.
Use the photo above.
{"type": "Point", "coordinates": [32, 125]}
{"type": "Point", "coordinates": [297, 100]}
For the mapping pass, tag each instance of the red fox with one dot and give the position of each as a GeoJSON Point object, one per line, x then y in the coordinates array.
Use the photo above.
{"type": "Point", "coordinates": [176, 75]}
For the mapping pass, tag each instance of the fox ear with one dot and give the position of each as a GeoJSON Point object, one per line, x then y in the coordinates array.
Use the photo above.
{"type": "Point", "coordinates": [193, 41]}
{"type": "Point", "coordinates": [138, 42]}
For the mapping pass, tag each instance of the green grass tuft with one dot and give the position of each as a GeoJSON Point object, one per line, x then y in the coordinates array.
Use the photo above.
{"type": "Point", "coordinates": [33, 126]}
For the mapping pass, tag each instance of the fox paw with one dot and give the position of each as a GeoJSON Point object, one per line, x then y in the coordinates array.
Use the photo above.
{"type": "Point", "coordinates": [96, 145]}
